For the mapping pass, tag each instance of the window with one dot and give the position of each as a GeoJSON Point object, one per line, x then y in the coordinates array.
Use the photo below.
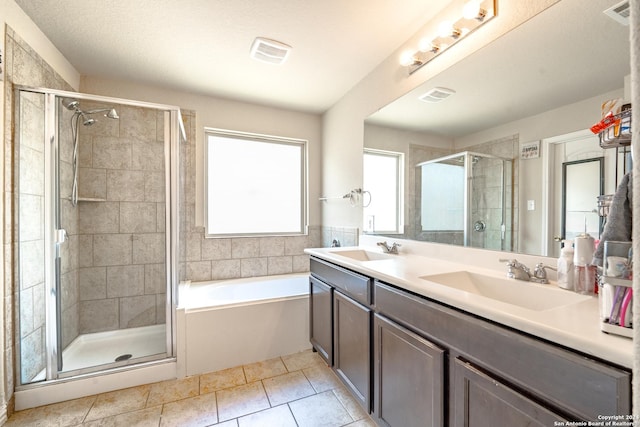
{"type": "Point", "coordinates": [383, 177]}
{"type": "Point", "coordinates": [256, 184]}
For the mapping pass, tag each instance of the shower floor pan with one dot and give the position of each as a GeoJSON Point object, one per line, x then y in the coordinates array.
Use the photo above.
{"type": "Point", "coordinates": [102, 348]}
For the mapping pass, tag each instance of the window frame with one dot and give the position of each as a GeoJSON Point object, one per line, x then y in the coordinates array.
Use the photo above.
{"type": "Point", "coordinates": [303, 229]}
{"type": "Point", "coordinates": [400, 189]}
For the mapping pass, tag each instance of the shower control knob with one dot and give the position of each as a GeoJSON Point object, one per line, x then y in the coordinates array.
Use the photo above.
{"type": "Point", "coordinates": [479, 226]}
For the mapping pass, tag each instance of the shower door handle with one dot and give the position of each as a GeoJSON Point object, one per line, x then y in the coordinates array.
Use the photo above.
{"type": "Point", "coordinates": [61, 236]}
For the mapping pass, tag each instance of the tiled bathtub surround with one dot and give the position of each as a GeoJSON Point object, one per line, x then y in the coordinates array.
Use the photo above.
{"type": "Point", "coordinates": [231, 258]}
{"type": "Point", "coordinates": [214, 259]}
{"type": "Point", "coordinates": [293, 390]}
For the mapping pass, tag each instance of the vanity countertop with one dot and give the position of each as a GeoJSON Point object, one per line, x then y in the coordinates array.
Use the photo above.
{"type": "Point", "coordinates": [575, 326]}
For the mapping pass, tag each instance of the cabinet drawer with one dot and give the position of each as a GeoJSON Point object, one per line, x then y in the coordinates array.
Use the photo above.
{"type": "Point", "coordinates": [355, 285]}
{"type": "Point", "coordinates": [583, 387]}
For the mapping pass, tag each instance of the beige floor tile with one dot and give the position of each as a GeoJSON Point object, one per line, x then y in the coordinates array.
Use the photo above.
{"type": "Point", "coordinates": [219, 380]}
{"type": "Point", "coordinates": [149, 417]}
{"type": "Point", "coordinates": [230, 423]}
{"type": "Point", "coordinates": [119, 402]}
{"type": "Point", "coordinates": [302, 360]}
{"type": "Point", "coordinates": [350, 404]}
{"type": "Point", "coordinates": [172, 390]}
{"type": "Point", "coordinates": [287, 388]}
{"type": "Point", "coordinates": [261, 370]}
{"type": "Point", "coordinates": [322, 409]}
{"type": "Point", "coordinates": [193, 412]}
{"type": "Point", "coordinates": [322, 378]}
{"type": "Point", "coordinates": [241, 400]}
{"type": "Point", "coordinates": [67, 413]}
{"type": "Point", "coordinates": [280, 416]}
{"type": "Point", "coordinates": [368, 422]}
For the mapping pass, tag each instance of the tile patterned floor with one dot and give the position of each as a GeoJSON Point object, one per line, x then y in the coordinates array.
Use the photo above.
{"type": "Point", "coordinates": [297, 390]}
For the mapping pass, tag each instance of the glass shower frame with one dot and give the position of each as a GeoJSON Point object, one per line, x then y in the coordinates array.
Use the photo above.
{"type": "Point", "coordinates": [54, 235]}
{"type": "Point", "coordinates": [466, 158]}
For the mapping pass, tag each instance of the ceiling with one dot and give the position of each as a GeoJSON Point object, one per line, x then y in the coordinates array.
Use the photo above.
{"type": "Point", "coordinates": [570, 52]}
{"type": "Point", "coordinates": [202, 46]}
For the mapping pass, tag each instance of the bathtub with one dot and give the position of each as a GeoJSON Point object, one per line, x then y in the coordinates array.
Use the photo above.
{"type": "Point", "coordinates": [222, 324]}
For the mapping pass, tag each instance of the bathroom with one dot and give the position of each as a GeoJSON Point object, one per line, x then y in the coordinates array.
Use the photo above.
{"type": "Point", "coordinates": [333, 169]}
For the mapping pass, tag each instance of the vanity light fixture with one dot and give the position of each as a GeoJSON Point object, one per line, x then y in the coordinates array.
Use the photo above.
{"type": "Point", "coordinates": [474, 14]}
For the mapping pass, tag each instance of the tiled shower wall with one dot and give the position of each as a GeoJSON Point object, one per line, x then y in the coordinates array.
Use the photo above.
{"type": "Point", "coordinates": [121, 221]}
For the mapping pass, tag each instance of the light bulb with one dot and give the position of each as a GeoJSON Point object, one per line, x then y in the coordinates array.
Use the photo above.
{"type": "Point", "coordinates": [406, 58]}
{"type": "Point", "coordinates": [471, 9]}
{"type": "Point", "coordinates": [425, 45]}
{"type": "Point", "coordinates": [445, 29]}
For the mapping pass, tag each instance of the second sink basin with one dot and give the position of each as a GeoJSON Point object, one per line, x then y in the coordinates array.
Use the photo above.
{"type": "Point", "coordinates": [361, 255]}
{"type": "Point", "coordinates": [528, 295]}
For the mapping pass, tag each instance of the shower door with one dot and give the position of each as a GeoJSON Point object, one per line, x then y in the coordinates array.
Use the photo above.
{"type": "Point", "coordinates": [107, 289]}
{"type": "Point", "coordinates": [489, 221]}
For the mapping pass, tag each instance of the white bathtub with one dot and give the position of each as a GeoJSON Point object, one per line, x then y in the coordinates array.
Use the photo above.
{"type": "Point", "coordinates": [222, 324]}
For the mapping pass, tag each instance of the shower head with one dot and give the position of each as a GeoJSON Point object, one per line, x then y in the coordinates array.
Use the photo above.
{"type": "Point", "coordinates": [70, 103]}
{"type": "Point", "coordinates": [88, 121]}
{"type": "Point", "coordinates": [111, 112]}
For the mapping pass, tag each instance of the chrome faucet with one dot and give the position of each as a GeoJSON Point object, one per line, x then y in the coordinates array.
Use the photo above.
{"type": "Point", "coordinates": [390, 250]}
{"type": "Point", "coordinates": [540, 274]}
{"type": "Point", "coordinates": [517, 270]}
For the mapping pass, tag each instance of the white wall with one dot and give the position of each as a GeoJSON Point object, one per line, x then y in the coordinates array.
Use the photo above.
{"type": "Point", "coordinates": [343, 129]}
{"type": "Point", "coordinates": [13, 16]}
{"type": "Point", "coordinates": [227, 114]}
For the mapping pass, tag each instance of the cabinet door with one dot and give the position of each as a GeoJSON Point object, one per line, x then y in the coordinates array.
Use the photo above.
{"type": "Point", "coordinates": [352, 346]}
{"type": "Point", "coordinates": [408, 377]}
{"type": "Point", "coordinates": [480, 400]}
{"type": "Point", "coordinates": [321, 318]}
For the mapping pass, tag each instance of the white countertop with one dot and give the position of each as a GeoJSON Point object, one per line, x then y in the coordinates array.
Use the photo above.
{"type": "Point", "coordinates": [575, 326]}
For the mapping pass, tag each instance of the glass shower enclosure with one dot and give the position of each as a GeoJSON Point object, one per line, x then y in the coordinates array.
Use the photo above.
{"type": "Point", "coordinates": [95, 197]}
{"type": "Point", "coordinates": [466, 199]}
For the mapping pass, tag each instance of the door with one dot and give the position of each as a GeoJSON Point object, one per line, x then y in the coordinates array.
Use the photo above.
{"type": "Point", "coordinates": [321, 318]}
{"type": "Point", "coordinates": [582, 183]}
{"type": "Point", "coordinates": [352, 346]}
{"type": "Point", "coordinates": [408, 377]}
{"type": "Point", "coordinates": [480, 401]}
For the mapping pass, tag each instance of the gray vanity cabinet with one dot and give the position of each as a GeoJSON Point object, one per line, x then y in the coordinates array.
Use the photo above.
{"type": "Point", "coordinates": [321, 318]}
{"type": "Point", "coordinates": [340, 314]}
{"type": "Point", "coordinates": [408, 377]}
{"type": "Point", "coordinates": [495, 372]}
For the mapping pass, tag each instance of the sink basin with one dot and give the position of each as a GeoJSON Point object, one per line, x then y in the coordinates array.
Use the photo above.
{"type": "Point", "coordinates": [528, 295]}
{"type": "Point", "coordinates": [362, 255]}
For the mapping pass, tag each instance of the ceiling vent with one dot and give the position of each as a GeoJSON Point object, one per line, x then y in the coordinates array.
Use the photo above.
{"type": "Point", "coordinates": [620, 12]}
{"type": "Point", "coordinates": [437, 94]}
{"type": "Point", "coordinates": [271, 51]}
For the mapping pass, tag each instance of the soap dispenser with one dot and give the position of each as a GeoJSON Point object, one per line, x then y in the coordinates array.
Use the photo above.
{"type": "Point", "coordinates": [584, 276]}
{"type": "Point", "coordinates": [565, 266]}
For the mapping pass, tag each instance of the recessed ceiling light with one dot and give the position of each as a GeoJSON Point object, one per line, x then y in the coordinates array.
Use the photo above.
{"type": "Point", "coordinates": [270, 51]}
{"type": "Point", "coordinates": [437, 94]}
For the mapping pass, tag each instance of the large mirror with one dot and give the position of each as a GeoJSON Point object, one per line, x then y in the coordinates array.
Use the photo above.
{"type": "Point", "coordinates": [529, 98]}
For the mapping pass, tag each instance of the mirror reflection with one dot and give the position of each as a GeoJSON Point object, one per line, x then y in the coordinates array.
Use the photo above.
{"type": "Point", "coordinates": [542, 83]}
